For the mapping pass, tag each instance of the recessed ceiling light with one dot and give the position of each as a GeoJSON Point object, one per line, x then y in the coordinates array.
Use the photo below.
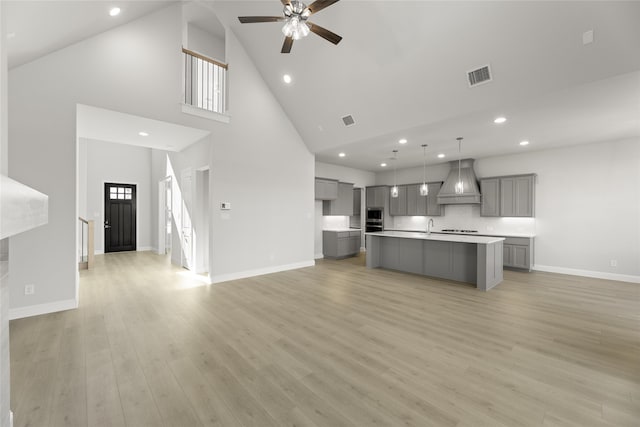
{"type": "Point", "coordinates": [341, 154]}
{"type": "Point", "coordinates": [500, 120]}
{"type": "Point", "coordinates": [11, 35]}
{"type": "Point", "coordinates": [143, 134]}
{"type": "Point", "coordinates": [402, 141]}
{"type": "Point", "coordinates": [286, 78]}
{"type": "Point", "coordinates": [524, 142]}
{"type": "Point", "coordinates": [114, 11]}
{"type": "Point", "coordinates": [384, 165]}
{"type": "Point", "coordinates": [441, 156]}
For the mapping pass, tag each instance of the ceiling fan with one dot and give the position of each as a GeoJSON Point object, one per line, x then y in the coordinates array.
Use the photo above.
{"type": "Point", "coordinates": [295, 15]}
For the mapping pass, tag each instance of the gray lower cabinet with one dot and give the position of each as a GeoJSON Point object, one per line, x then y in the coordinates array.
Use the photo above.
{"type": "Point", "coordinates": [376, 197]}
{"type": "Point", "coordinates": [508, 196]}
{"type": "Point", "coordinates": [340, 244]}
{"type": "Point", "coordinates": [343, 204]}
{"type": "Point", "coordinates": [518, 252]}
{"type": "Point", "coordinates": [326, 189]}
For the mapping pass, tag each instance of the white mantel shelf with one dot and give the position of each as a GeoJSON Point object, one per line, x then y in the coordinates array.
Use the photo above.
{"type": "Point", "coordinates": [21, 208]}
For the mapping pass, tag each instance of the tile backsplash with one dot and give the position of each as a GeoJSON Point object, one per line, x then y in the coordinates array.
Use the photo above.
{"type": "Point", "coordinates": [465, 217]}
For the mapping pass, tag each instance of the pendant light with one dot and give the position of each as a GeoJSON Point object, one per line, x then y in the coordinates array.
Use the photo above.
{"type": "Point", "coordinates": [459, 184]}
{"type": "Point", "coordinates": [394, 189]}
{"type": "Point", "coordinates": [424, 188]}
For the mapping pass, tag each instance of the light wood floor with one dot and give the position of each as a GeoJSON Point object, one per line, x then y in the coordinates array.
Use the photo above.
{"type": "Point", "coordinates": [331, 345]}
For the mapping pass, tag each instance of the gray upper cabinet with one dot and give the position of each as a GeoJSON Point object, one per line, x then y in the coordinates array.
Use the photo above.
{"type": "Point", "coordinates": [416, 204]}
{"type": "Point", "coordinates": [433, 208]}
{"type": "Point", "coordinates": [326, 189]}
{"type": "Point", "coordinates": [517, 196]}
{"type": "Point", "coordinates": [376, 197]}
{"type": "Point", "coordinates": [343, 205]}
{"type": "Point", "coordinates": [490, 190]}
{"type": "Point", "coordinates": [357, 201]}
{"type": "Point", "coordinates": [398, 205]}
{"type": "Point", "coordinates": [508, 196]}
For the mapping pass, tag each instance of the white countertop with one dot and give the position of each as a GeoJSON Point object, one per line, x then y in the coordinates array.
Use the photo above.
{"type": "Point", "coordinates": [440, 237]}
{"type": "Point", "coordinates": [21, 208]}
{"type": "Point", "coordinates": [480, 233]}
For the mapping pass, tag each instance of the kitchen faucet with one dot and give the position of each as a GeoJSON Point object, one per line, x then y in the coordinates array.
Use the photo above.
{"type": "Point", "coordinates": [429, 225]}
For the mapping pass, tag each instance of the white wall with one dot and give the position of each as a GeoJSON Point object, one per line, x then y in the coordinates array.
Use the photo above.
{"type": "Point", "coordinates": [116, 163]}
{"type": "Point", "coordinates": [359, 178]}
{"type": "Point", "coordinates": [259, 161]}
{"type": "Point", "coordinates": [4, 250]}
{"type": "Point", "coordinates": [199, 40]}
{"type": "Point", "coordinates": [587, 206]}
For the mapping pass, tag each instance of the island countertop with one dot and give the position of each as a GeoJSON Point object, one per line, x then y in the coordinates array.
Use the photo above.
{"type": "Point", "coordinates": [483, 240]}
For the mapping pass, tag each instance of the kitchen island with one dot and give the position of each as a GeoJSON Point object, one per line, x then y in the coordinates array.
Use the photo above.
{"type": "Point", "coordinates": [469, 259]}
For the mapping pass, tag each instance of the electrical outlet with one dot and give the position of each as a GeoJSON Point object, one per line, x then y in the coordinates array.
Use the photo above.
{"type": "Point", "coordinates": [614, 263]}
{"type": "Point", "coordinates": [29, 289]}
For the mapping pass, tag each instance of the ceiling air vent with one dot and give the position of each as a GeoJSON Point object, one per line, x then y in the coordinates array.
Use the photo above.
{"type": "Point", "coordinates": [479, 76]}
{"type": "Point", "coordinates": [348, 120]}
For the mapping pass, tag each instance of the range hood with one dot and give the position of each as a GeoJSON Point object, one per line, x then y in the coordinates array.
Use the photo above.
{"type": "Point", "coordinates": [471, 193]}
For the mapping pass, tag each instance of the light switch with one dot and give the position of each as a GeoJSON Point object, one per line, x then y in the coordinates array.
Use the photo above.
{"type": "Point", "coordinates": [225, 206]}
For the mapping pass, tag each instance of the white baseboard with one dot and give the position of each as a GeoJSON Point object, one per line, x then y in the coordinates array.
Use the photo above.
{"type": "Point", "coordinates": [38, 309]}
{"type": "Point", "coordinates": [260, 271]}
{"type": "Point", "coordinates": [318, 256]}
{"type": "Point", "coordinates": [588, 273]}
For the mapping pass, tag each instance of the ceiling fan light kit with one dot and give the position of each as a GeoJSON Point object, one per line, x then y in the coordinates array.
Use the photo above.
{"type": "Point", "coordinates": [295, 15]}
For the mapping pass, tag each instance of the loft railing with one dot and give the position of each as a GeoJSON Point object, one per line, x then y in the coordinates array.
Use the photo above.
{"type": "Point", "coordinates": [86, 244]}
{"type": "Point", "coordinates": [204, 82]}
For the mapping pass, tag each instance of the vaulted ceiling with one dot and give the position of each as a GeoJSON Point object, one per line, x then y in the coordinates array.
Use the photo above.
{"type": "Point", "coordinates": [401, 71]}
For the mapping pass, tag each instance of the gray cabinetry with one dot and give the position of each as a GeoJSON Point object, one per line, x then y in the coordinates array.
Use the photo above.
{"type": "Point", "coordinates": [326, 189]}
{"type": "Point", "coordinates": [517, 196]}
{"type": "Point", "coordinates": [508, 196]}
{"type": "Point", "coordinates": [410, 203]}
{"type": "Point", "coordinates": [416, 204]}
{"type": "Point", "coordinates": [490, 190]}
{"type": "Point", "coordinates": [433, 208]}
{"type": "Point", "coordinates": [376, 197]}
{"type": "Point", "coordinates": [343, 204]}
{"type": "Point", "coordinates": [340, 244]}
{"type": "Point", "coordinates": [357, 201]}
{"type": "Point", "coordinates": [398, 205]}
{"type": "Point", "coordinates": [518, 252]}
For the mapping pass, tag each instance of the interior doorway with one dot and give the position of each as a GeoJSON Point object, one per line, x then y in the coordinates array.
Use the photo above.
{"type": "Point", "coordinates": [119, 217]}
{"type": "Point", "coordinates": [201, 221]}
{"type": "Point", "coordinates": [165, 200]}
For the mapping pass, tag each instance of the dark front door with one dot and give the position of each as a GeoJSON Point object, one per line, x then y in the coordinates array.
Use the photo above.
{"type": "Point", "coordinates": [119, 217]}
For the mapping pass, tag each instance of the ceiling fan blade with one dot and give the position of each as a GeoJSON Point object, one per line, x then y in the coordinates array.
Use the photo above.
{"type": "Point", "coordinates": [285, 2]}
{"type": "Point", "coordinates": [286, 46]}
{"type": "Point", "coordinates": [324, 33]}
{"type": "Point", "coordinates": [318, 5]}
{"type": "Point", "coordinates": [254, 19]}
